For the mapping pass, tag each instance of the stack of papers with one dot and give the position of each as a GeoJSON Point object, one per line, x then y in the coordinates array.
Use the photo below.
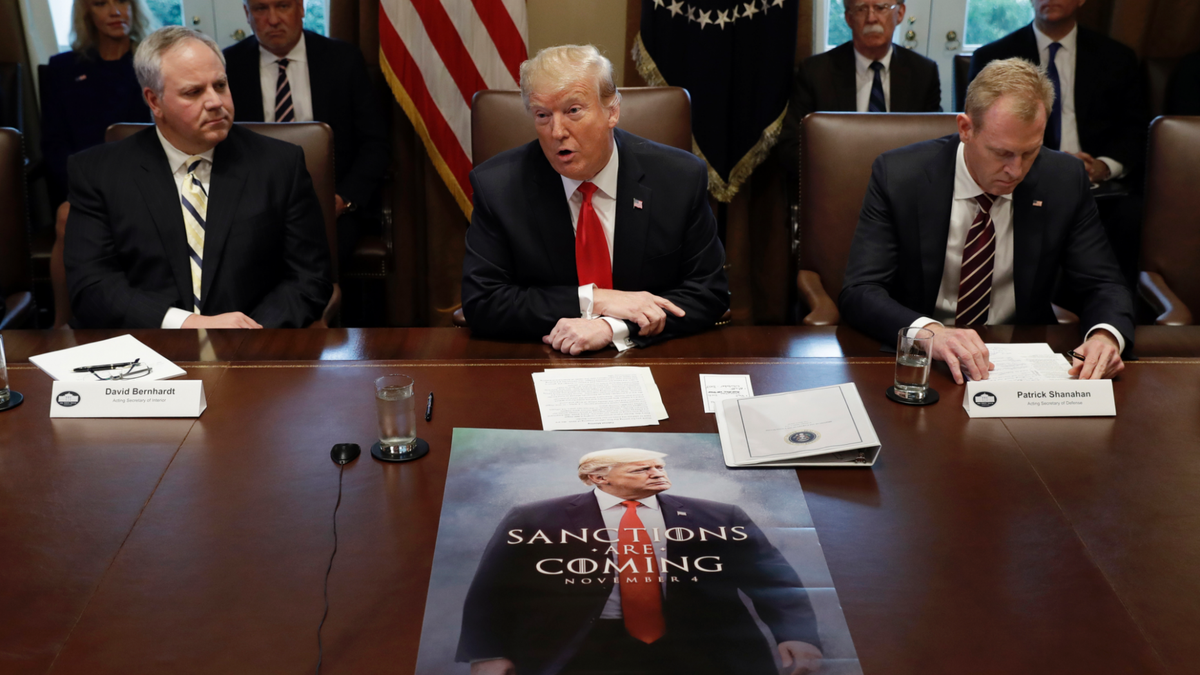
{"type": "Point", "coordinates": [598, 398]}
{"type": "Point", "coordinates": [61, 364]}
{"type": "Point", "coordinates": [1030, 362]}
{"type": "Point", "coordinates": [827, 426]}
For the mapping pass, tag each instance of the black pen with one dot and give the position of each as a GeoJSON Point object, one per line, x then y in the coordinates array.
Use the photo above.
{"type": "Point", "coordinates": [429, 408]}
{"type": "Point", "coordinates": [106, 366]}
{"type": "Point", "coordinates": [1074, 355]}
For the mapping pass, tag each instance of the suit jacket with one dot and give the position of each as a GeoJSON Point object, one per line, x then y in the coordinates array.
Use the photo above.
{"type": "Point", "coordinates": [343, 97]}
{"type": "Point", "coordinates": [899, 248]}
{"type": "Point", "coordinates": [519, 275]}
{"type": "Point", "coordinates": [126, 252]}
{"type": "Point", "coordinates": [1110, 98]}
{"type": "Point", "coordinates": [537, 620]}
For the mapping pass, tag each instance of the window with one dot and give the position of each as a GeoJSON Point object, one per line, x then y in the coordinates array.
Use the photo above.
{"type": "Point", "coordinates": [989, 20]}
{"type": "Point", "coordinates": [166, 12]}
{"type": "Point", "coordinates": [314, 16]}
{"type": "Point", "coordinates": [839, 32]}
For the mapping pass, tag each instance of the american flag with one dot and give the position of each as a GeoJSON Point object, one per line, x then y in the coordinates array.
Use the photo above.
{"type": "Point", "coordinates": [435, 55]}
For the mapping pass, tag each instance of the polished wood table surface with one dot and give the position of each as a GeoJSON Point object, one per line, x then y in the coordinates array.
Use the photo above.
{"type": "Point", "coordinates": [199, 546]}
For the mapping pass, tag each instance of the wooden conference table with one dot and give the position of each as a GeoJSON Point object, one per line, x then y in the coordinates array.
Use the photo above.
{"type": "Point", "coordinates": [199, 546]}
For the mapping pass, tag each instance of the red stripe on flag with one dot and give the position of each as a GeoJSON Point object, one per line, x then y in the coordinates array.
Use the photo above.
{"type": "Point", "coordinates": [440, 134]}
{"type": "Point", "coordinates": [450, 47]}
{"type": "Point", "coordinates": [505, 34]}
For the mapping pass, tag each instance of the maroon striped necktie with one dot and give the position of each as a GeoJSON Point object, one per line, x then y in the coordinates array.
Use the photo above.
{"type": "Point", "coordinates": [978, 259]}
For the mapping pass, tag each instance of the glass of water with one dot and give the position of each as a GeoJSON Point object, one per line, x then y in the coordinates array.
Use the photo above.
{"type": "Point", "coordinates": [4, 393]}
{"type": "Point", "coordinates": [394, 404]}
{"type": "Point", "coordinates": [914, 347]}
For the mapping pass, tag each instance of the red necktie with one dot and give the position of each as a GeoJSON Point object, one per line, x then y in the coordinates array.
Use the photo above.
{"type": "Point", "coordinates": [641, 595]}
{"type": "Point", "coordinates": [975, 280]}
{"type": "Point", "coordinates": [591, 247]}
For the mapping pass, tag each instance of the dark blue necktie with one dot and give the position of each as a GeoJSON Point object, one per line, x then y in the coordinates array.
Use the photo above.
{"type": "Point", "coordinates": [877, 103]}
{"type": "Point", "coordinates": [1054, 123]}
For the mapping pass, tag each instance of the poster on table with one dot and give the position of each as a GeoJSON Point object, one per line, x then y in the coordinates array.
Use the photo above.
{"type": "Point", "coordinates": [528, 573]}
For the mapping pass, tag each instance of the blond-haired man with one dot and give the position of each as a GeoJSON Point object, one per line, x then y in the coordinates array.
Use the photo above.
{"type": "Point", "coordinates": [589, 236]}
{"type": "Point", "coordinates": [977, 228]}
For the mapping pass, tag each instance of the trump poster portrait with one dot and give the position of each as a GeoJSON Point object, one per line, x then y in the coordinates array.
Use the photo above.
{"type": "Point", "coordinates": [611, 553]}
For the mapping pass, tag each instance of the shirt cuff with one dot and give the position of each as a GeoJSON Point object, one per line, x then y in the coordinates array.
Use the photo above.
{"type": "Point", "coordinates": [924, 321]}
{"type": "Point", "coordinates": [620, 331]}
{"type": "Point", "coordinates": [1116, 333]}
{"type": "Point", "coordinates": [1115, 168]}
{"type": "Point", "coordinates": [175, 317]}
{"type": "Point", "coordinates": [586, 301]}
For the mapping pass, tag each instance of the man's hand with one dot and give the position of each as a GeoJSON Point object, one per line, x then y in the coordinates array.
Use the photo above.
{"type": "Point", "coordinates": [339, 205]}
{"type": "Point", "coordinates": [229, 320]}
{"type": "Point", "coordinates": [799, 658]}
{"type": "Point", "coordinates": [1103, 358]}
{"type": "Point", "coordinates": [1097, 171]}
{"type": "Point", "coordinates": [493, 667]}
{"type": "Point", "coordinates": [644, 309]}
{"type": "Point", "coordinates": [961, 348]}
{"type": "Point", "coordinates": [575, 336]}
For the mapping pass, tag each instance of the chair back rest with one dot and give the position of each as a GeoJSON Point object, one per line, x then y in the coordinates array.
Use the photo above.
{"type": "Point", "coordinates": [15, 265]}
{"type": "Point", "coordinates": [1170, 226]}
{"type": "Point", "coordinates": [315, 138]}
{"type": "Point", "coordinates": [962, 68]}
{"type": "Point", "coordinates": [500, 122]}
{"type": "Point", "coordinates": [1158, 79]}
{"type": "Point", "coordinates": [836, 153]}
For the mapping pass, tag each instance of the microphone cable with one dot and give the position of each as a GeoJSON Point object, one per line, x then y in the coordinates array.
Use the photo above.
{"type": "Point", "coordinates": [320, 649]}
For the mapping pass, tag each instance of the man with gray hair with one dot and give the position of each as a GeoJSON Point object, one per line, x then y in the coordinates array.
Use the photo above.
{"type": "Point", "coordinates": [626, 579]}
{"type": "Point", "coordinates": [196, 223]}
{"type": "Point", "coordinates": [590, 236]}
{"type": "Point", "coordinates": [979, 227]}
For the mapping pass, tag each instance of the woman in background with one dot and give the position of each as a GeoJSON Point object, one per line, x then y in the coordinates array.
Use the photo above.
{"type": "Point", "coordinates": [83, 92]}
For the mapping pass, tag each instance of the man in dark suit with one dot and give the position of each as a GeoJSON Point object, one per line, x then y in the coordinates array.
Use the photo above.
{"type": "Point", "coordinates": [590, 236]}
{"type": "Point", "coordinates": [976, 228]}
{"type": "Point", "coordinates": [544, 599]}
{"type": "Point", "coordinates": [285, 74]}
{"type": "Point", "coordinates": [195, 223]}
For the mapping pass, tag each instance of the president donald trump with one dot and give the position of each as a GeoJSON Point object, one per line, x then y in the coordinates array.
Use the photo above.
{"type": "Point", "coordinates": [625, 579]}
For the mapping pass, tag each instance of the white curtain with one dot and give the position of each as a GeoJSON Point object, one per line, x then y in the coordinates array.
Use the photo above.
{"type": "Point", "coordinates": [39, 34]}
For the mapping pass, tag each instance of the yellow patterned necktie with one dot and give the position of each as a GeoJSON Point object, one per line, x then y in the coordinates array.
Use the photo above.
{"type": "Point", "coordinates": [194, 199]}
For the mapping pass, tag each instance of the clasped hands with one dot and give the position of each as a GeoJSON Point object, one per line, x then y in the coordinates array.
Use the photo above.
{"type": "Point", "coordinates": [648, 311]}
{"type": "Point", "coordinates": [963, 350]}
{"type": "Point", "coordinates": [1097, 170]}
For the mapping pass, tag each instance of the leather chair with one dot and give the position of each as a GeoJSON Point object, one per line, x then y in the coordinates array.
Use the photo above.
{"type": "Point", "coordinates": [16, 280]}
{"type": "Point", "coordinates": [316, 138]}
{"type": "Point", "coordinates": [836, 153]}
{"type": "Point", "coordinates": [1170, 278]}
{"type": "Point", "coordinates": [499, 122]}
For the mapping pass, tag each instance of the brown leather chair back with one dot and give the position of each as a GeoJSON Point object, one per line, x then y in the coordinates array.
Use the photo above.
{"type": "Point", "coordinates": [499, 120]}
{"type": "Point", "coordinates": [1158, 78]}
{"type": "Point", "coordinates": [1171, 226]}
{"type": "Point", "coordinates": [962, 68]}
{"type": "Point", "coordinates": [836, 153]}
{"type": "Point", "coordinates": [16, 280]}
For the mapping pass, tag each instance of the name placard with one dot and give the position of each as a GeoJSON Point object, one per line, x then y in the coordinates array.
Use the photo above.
{"type": "Point", "coordinates": [1053, 398]}
{"type": "Point", "coordinates": [157, 398]}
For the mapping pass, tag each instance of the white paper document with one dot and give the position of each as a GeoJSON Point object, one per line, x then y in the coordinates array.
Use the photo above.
{"type": "Point", "coordinates": [720, 387]}
{"type": "Point", "coordinates": [823, 426]}
{"type": "Point", "coordinates": [598, 398]}
{"type": "Point", "coordinates": [1031, 362]}
{"type": "Point", "coordinates": [61, 364]}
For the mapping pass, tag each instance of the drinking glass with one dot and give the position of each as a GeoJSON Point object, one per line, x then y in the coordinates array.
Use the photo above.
{"type": "Point", "coordinates": [4, 393]}
{"type": "Point", "coordinates": [394, 404]}
{"type": "Point", "coordinates": [914, 347]}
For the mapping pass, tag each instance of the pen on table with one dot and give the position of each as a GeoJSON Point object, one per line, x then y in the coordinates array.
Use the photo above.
{"type": "Point", "coordinates": [429, 408]}
{"type": "Point", "coordinates": [106, 366]}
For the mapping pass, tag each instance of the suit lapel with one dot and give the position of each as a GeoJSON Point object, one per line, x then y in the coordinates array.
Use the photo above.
{"type": "Point", "coordinates": [1027, 46]}
{"type": "Point", "coordinates": [933, 221]}
{"type": "Point", "coordinates": [844, 79]}
{"type": "Point", "coordinates": [552, 216]}
{"type": "Point", "coordinates": [225, 191]}
{"type": "Point", "coordinates": [161, 196]}
{"type": "Point", "coordinates": [1029, 229]}
{"type": "Point", "coordinates": [1088, 77]}
{"type": "Point", "coordinates": [318, 79]}
{"type": "Point", "coordinates": [250, 77]}
{"type": "Point", "coordinates": [584, 513]}
{"type": "Point", "coordinates": [632, 224]}
{"type": "Point", "coordinates": [901, 82]}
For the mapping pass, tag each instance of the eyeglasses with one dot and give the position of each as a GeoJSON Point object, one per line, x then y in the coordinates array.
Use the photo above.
{"type": "Point", "coordinates": [134, 372]}
{"type": "Point", "coordinates": [861, 10]}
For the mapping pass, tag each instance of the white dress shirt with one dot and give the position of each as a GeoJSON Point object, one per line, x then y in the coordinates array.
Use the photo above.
{"type": "Point", "coordinates": [604, 201]}
{"type": "Point", "coordinates": [177, 160]}
{"type": "Point", "coordinates": [651, 516]}
{"type": "Point", "coordinates": [864, 77]}
{"type": "Point", "coordinates": [297, 71]}
{"type": "Point", "coordinates": [1064, 62]}
{"type": "Point", "coordinates": [962, 214]}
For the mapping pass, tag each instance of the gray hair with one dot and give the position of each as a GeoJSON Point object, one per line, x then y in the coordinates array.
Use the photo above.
{"type": "Point", "coordinates": [83, 29]}
{"type": "Point", "coordinates": [600, 462]}
{"type": "Point", "coordinates": [556, 68]}
{"type": "Point", "coordinates": [1028, 86]}
{"type": "Point", "coordinates": [147, 61]}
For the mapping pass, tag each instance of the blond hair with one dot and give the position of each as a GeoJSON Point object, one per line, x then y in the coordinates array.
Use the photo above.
{"type": "Point", "coordinates": [1028, 87]}
{"type": "Point", "coordinates": [600, 462]}
{"type": "Point", "coordinates": [556, 68]}
{"type": "Point", "coordinates": [83, 29]}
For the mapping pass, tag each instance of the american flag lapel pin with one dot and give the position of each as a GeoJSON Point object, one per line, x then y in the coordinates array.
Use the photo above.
{"type": "Point", "coordinates": [1037, 203]}
{"type": "Point", "coordinates": [637, 203]}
